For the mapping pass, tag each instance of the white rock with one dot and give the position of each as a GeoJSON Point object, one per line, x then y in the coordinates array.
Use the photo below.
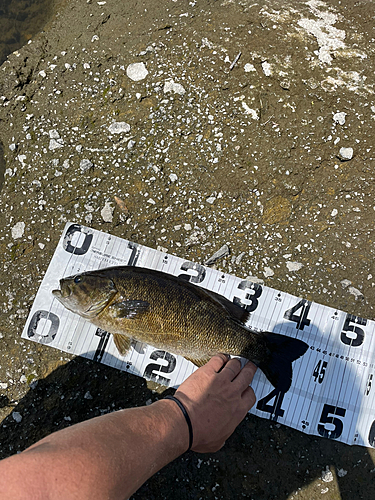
{"type": "Point", "coordinates": [17, 416]}
{"type": "Point", "coordinates": [345, 283]}
{"type": "Point", "coordinates": [327, 475]}
{"type": "Point", "coordinates": [85, 165]}
{"type": "Point", "coordinates": [12, 146]}
{"type": "Point", "coordinates": [249, 67]}
{"type": "Point", "coordinates": [119, 128]}
{"type": "Point", "coordinates": [219, 254]}
{"type": "Point", "coordinates": [137, 71]}
{"type": "Point", "coordinates": [211, 199]}
{"type": "Point", "coordinates": [42, 73]}
{"type": "Point", "coordinates": [53, 134]}
{"type": "Point", "coordinates": [3, 385]}
{"type": "Point", "coordinates": [339, 118]}
{"type": "Point", "coordinates": [187, 227]}
{"type": "Point", "coordinates": [171, 86]}
{"type": "Point", "coordinates": [55, 144]}
{"type": "Point", "coordinates": [250, 111]}
{"type": "Point", "coordinates": [267, 68]}
{"type": "Point", "coordinates": [354, 291]}
{"type": "Point", "coordinates": [131, 144]}
{"type": "Point", "coordinates": [255, 279]}
{"type": "Point", "coordinates": [346, 153]}
{"type": "Point", "coordinates": [18, 230]}
{"type": "Point", "coordinates": [293, 266]}
{"type": "Point", "coordinates": [173, 177]}
{"type": "Point", "coordinates": [342, 472]}
{"type": "Point", "coordinates": [334, 212]}
{"type": "Point", "coordinates": [107, 212]}
{"type": "Point", "coordinates": [268, 272]}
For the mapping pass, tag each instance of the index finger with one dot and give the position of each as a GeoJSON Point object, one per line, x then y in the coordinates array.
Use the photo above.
{"type": "Point", "coordinates": [216, 363]}
{"type": "Point", "coordinates": [246, 375]}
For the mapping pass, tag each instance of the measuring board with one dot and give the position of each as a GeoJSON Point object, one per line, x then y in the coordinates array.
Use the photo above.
{"type": "Point", "coordinates": [332, 392]}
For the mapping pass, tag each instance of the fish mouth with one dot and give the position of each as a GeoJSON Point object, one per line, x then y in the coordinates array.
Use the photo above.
{"type": "Point", "coordinates": [63, 293]}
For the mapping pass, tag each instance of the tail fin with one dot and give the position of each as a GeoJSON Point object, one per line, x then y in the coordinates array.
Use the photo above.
{"type": "Point", "coordinates": [283, 351]}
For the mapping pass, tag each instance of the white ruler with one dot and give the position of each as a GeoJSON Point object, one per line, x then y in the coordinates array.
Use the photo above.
{"type": "Point", "coordinates": [332, 392]}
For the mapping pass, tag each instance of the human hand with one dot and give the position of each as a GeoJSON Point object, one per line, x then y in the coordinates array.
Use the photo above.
{"type": "Point", "coordinates": [217, 398]}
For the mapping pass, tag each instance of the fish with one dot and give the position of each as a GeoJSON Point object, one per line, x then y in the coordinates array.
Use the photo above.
{"type": "Point", "coordinates": [136, 304]}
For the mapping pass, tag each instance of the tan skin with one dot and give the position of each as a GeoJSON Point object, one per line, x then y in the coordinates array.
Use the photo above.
{"type": "Point", "coordinates": [110, 457]}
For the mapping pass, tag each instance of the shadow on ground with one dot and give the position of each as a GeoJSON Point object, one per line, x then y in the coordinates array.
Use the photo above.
{"type": "Point", "coordinates": [262, 460]}
{"type": "Point", "coordinates": [20, 20]}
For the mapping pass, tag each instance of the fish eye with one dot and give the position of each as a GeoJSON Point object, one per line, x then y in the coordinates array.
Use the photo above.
{"type": "Point", "coordinates": [78, 279]}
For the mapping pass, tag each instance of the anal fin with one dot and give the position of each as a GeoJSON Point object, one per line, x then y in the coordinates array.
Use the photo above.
{"type": "Point", "coordinates": [122, 342]}
{"type": "Point", "coordinates": [198, 362]}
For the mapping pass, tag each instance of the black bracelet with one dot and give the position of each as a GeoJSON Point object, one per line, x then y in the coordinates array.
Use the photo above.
{"type": "Point", "coordinates": [187, 418]}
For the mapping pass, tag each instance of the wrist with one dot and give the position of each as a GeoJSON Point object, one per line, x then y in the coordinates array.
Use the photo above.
{"type": "Point", "coordinates": [175, 428]}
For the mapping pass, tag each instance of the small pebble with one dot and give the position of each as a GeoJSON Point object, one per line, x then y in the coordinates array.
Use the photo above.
{"type": "Point", "coordinates": [293, 266]}
{"type": "Point", "coordinates": [345, 154]}
{"type": "Point", "coordinates": [327, 475]}
{"type": "Point", "coordinates": [18, 230]}
{"type": "Point", "coordinates": [339, 118]}
{"type": "Point", "coordinates": [17, 416]}
{"type": "Point", "coordinates": [137, 71]}
{"type": "Point", "coordinates": [222, 252]}
{"type": "Point", "coordinates": [85, 165]}
{"type": "Point", "coordinates": [268, 272]}
{"type": "Point", "coordinates": [119, 128]}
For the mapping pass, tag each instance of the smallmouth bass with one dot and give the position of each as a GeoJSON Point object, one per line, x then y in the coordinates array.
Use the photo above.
{"type": "Point", "coordinates": [152, 307]}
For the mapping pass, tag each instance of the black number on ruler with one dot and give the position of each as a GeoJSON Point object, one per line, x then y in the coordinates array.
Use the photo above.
{"type": "Point", "coordinates": [359, 333]}
{"type": "Point", "coordinates": [301, 319]}
{"type": "Point", "coordinates": [255, 292]}
{"type": "Point", "coordinates": [152, 367]}
{"type": "Point", "coordinates": [104, 338]}
{"type": "Point", "coordinates": [369, 384]}
{"type": "Point", "coordinates": [335, 424]}
{"type": "Point", "coordinates": [371, 435]}
{"type": "Point", "coordinates": [67, 242]}
{"type": "Point", "coordinates": [134, 256]}
{"type": "Point", "coordinates": [198, 268]}
{"type": "Point", "coordinates": [320, 371]}
{"type": "Point", "coordinates": [33, 326]}
{"type": "Point", "coordinates": [274, 409]}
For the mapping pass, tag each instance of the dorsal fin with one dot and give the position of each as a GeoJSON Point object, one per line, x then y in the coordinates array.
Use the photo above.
{"type": "Point", "coordinates": [236, 312]}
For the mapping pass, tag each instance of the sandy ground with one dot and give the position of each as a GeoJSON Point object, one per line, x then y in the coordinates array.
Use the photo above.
{"type": "Point", "coordinates": [273, 155]}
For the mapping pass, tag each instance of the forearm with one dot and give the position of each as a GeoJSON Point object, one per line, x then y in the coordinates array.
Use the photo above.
{"type": "Point", "coordinates": [106, 457]}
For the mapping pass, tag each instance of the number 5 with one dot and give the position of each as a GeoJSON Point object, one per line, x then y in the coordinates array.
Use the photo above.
{"type": "Point", "coordinates": [330, 421]}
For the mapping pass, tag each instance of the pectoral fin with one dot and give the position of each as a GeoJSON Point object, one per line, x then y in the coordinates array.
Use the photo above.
{"type": "Point", "coordinates": [122, 342]}
{"type": "Point", "coordinates": [129, 309]}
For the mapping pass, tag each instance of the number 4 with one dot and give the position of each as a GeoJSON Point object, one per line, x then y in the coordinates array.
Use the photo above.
{"type": "Point", "coordinates": [301, 319]}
